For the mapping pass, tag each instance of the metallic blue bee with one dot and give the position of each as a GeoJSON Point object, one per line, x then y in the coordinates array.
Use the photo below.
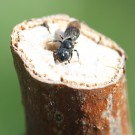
{"type": "Point", "coordinates": [65, 51]}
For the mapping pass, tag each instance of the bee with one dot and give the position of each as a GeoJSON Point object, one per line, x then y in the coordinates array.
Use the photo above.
{"type": "Point", "coordinates": [67, 42]}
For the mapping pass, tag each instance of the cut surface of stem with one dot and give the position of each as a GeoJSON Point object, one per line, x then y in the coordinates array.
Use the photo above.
{"type": "Point", "coordinates": [99, 63]}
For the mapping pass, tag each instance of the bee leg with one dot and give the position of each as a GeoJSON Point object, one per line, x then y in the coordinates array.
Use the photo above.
{"type": "Point", "coordinates": [70, 56]}
{"type": "Point", "coordinates": [57, 41]}
{"type": "Point", "coordinates": [61, 36]}
{"type": "Point", "coordinates": [75, 42]}
{"type": "Point", "coordinates": [77, 53]}
{"type": "Point", "coordinates": [68, 61]}
{"type": "Point", "coordinates": [55, 56]}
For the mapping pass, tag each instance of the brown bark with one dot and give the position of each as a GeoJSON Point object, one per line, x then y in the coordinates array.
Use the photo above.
{"type": "Point", "coordinates": [60, 110]}
{"type": "Point", "coordinates": [56, 109]}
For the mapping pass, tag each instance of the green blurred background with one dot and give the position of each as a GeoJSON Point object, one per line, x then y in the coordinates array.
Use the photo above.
{"type": "Point", "coordinates": [114, 18]}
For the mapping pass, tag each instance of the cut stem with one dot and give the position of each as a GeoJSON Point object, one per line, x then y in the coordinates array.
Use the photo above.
{"type": "Point", "coordinates": [80, 98]}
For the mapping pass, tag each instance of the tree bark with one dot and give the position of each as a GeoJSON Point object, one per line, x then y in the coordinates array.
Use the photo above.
{"type": "Point", "coordinates": [58, 109]}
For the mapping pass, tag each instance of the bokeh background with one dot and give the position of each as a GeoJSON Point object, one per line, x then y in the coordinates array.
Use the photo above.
{"type": "Point", "coordinates": [114, 18]}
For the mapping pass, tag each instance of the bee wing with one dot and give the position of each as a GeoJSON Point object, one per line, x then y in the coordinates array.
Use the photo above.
{"type": "Point", "coordinates": [73, 30]}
